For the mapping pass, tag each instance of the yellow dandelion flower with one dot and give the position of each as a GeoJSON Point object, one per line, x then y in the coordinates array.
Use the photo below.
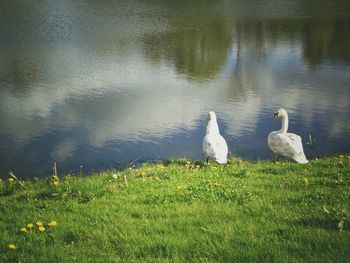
{"type": "Point", "coordinates": [39, 223]}
{"type": "Point", "coordinates": [306, 181]}
{"type": "Point", "coordinates": [55, 177]}
{"type": "Point", "coordinates": [24, 230]}
{"type": "Point", "coordinates": [55, 182]}
{"type": "Point", "coordinates": [142, 173]}
{"type": "Point", "coordinates": [11, 246]}
{"type": "Point", "coordinates": [30, 226]}
{"type": "Point", "coordinates": [41, 229]}
{"type": "Point", "coordinates": [52, 223]}
{"type": "Point", "coordinates": [341, 156]}
{"type": "Point", "coordinates": [10, 179]}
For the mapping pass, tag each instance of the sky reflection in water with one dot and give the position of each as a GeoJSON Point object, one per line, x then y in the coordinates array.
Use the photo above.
{"type": "Point", "coordinates": [94, 84]}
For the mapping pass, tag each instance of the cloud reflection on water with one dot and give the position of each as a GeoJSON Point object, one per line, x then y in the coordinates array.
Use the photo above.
{"type": "Point", "coordinates": [101, 78]}
{"type": "Point", "coordinates": [158, 102]}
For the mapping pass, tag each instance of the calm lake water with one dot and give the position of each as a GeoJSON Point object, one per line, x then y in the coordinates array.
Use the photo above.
{"type": "Point", "coordinates": [100, 83]}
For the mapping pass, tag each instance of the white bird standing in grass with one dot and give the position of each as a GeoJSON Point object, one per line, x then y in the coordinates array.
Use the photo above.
{"type": "Point", "coordinates": [214, 145]}
{"type": "Point", "coordinates": [286, 144]}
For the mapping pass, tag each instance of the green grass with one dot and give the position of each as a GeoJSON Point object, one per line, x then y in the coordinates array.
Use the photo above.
{"type": "Point", "coordinates": [183, 211]}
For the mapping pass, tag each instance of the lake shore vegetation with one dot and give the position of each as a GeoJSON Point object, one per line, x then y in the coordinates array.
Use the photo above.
{"type": "Point", "coordinates": [182, 211]}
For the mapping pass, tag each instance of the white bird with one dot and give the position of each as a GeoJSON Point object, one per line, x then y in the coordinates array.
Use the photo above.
{"type": "Point", "coordinates": [214, 145]}
{"type": "Point", "coordinates": [286, 144]}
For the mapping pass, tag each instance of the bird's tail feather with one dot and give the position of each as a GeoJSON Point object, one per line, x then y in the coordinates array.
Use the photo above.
{"type": "Point", "coordinates": [301, 158]}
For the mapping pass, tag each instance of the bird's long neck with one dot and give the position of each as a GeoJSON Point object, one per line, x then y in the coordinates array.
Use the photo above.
{"type": "Point", "coordinates": [284, 127]}
{"type": "Point", "coordinates": [212, 127]}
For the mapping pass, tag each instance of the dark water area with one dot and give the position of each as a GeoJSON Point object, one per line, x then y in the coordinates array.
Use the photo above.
{"type": "Point", "coordinates": [104, 83]}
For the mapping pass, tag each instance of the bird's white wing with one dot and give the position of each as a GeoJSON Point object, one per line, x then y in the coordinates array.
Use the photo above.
{"type": "Point", "coordinates": [222, 149]}
{"type": "Point", "coordinates": [285, 144]}
{"type": "Point", "coordinates": [215, 147]}
{"type": "Point", "coordinates": [208, 147]}
{"type": "Point", "coordinates": [294, 141]}
{"type": "Point", "coordinates": [288, 145]}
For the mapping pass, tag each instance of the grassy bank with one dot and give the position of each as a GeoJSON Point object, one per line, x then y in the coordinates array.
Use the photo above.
{"type": "Point", "coordinates": [182, 212]}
